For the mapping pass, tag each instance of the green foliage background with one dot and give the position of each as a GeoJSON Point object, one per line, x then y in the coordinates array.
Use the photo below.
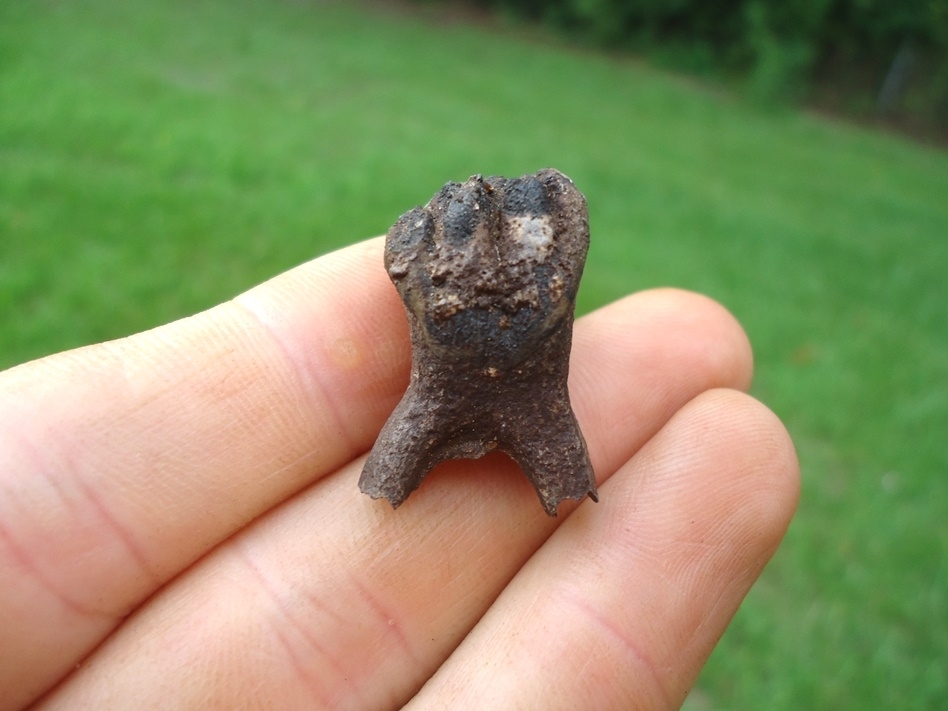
{"type": "Point", "coordinates": [784, 49]}
{"type": "Point", "coordinates": [156, 158]}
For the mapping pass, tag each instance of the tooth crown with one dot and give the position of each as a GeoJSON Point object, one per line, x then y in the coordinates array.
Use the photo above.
{"type": "Point", "coordinates": [488, 272]}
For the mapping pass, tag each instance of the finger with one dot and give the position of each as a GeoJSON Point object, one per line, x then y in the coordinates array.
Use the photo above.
{"type": "Point", "coordinates": [335, 598]}
{"type": "Point", "coordinates": [623, 605]}
{"type": "Point", "coordinates": [122, 463]}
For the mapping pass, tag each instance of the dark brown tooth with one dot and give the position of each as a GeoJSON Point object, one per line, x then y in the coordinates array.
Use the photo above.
{"type": "Point", "coordinates": [488, 272]}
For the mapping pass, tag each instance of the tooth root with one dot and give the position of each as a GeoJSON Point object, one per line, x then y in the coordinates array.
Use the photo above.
{"type": "Point", "coordinates": [554, 458]}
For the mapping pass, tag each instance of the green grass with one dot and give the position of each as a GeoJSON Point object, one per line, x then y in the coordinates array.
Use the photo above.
{"type": "Point", "coordinates": [156, 158]}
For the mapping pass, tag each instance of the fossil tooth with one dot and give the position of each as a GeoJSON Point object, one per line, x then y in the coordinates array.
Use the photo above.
{"type": "Point", "coordinates": [488, 272]}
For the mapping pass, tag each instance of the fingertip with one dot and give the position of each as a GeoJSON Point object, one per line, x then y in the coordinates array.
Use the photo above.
{"type": "Point", "coordinates": [698, 327]}
{"type": "Point", "coordinates": [764, 472]}
{"type": "Point", "coordinates": [666, 345]}
{"type": "Point", "coordinates": [723, 470]}
{"type": "Point", "coordinates": [733, 357]}
{"type": "Point", "coordinates": [760, 482]}
{"type": "Point", "coordinates": [688, 523]}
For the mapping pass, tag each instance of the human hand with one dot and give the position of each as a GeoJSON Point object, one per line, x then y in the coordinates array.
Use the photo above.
{"type": "Point", "coordinates": [180, 525]}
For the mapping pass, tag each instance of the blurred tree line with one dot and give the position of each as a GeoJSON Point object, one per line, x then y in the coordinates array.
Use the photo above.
{"type": "Point", "coordinates": [887, 57]}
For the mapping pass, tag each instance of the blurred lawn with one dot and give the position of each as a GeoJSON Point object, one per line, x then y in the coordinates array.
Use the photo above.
{"type": "Point", "coordinates": [156, 158]}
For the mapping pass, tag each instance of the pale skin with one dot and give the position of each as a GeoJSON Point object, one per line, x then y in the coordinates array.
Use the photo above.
{"type": "Point", "coordinates": [181, 527]}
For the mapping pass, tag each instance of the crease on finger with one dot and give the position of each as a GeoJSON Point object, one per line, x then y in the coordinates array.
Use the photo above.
{"type": "Point", "coordinates": [291, 633]}
{"type": "Point", "coordinates": [567, 597]}
{"type": "Point", "coordinates": [319, 395]}
{"type": "Point", "coordinates": [80, 510]}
